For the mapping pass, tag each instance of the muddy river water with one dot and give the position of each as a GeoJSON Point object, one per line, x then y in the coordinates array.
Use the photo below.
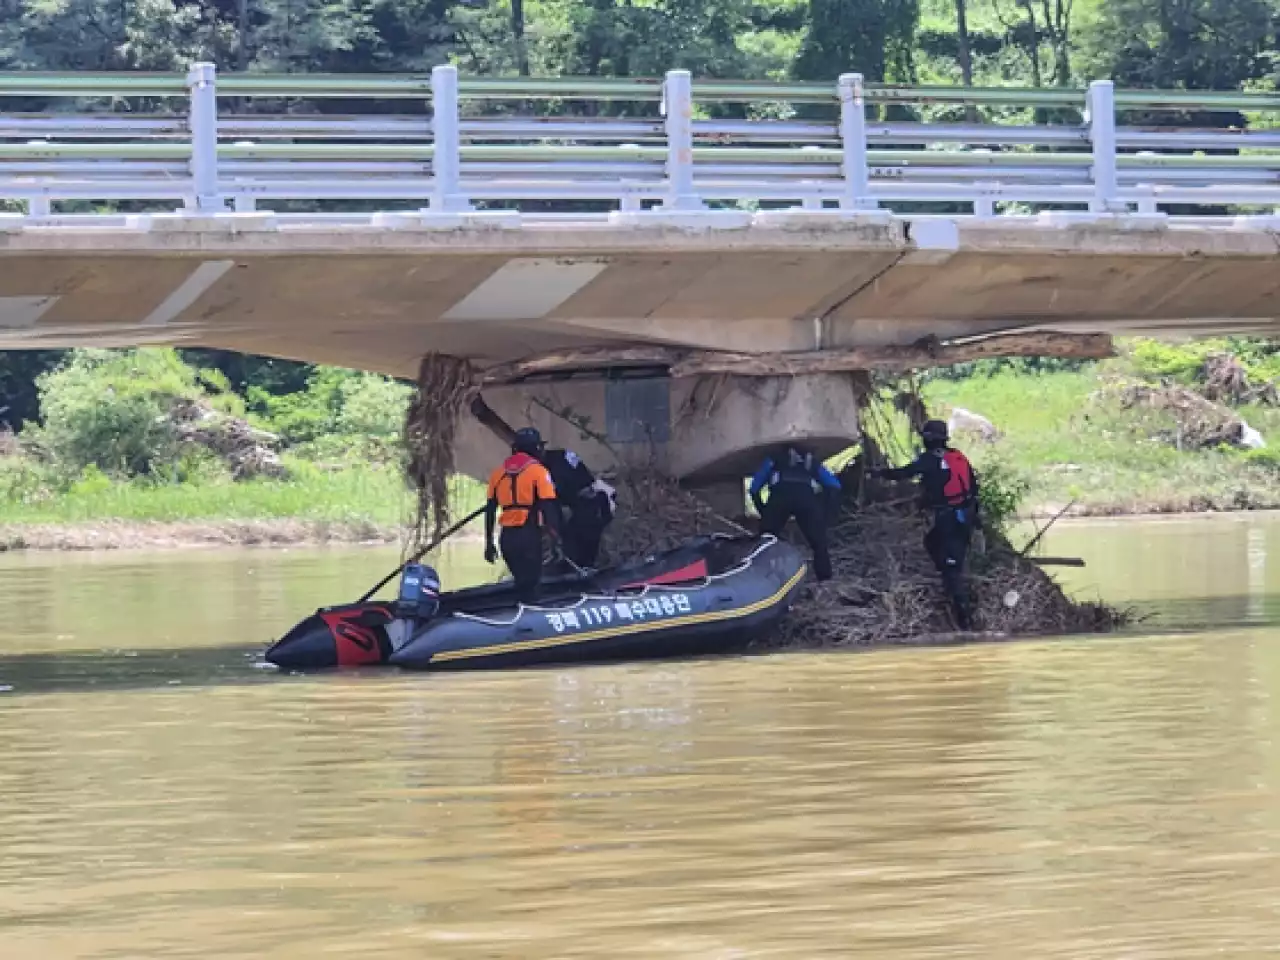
{"type": "Point", "coordinates": [1109, 797]}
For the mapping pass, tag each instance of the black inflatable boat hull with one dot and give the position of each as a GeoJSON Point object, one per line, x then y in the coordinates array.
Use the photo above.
{"type": "Point", "coordinates": [712, 595]}
{"type": "Point", "coordinates": [356, 635]}
{"type": "Point", "coordinates": [658, 621]}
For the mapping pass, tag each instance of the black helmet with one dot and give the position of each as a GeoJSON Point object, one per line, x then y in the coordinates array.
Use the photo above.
{"type": "Point", "coordinates": [933, 433]}
{"type": "Point", "coordinates": [796, 455]}
{"type": "Point", "coordinates": [527, 440]}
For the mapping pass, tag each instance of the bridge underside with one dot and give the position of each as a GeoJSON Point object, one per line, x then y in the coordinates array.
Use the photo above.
{"type": "Point", "coordinates": [378, 298]}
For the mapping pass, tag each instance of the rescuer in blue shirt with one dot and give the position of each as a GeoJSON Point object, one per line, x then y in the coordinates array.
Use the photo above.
{"type": "Point", "coordinates": [797, 483]}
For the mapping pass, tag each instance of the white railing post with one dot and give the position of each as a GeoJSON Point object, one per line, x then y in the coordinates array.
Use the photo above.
{"type": "Point", "coordinates": [203, 121]}
{"type": "Point", "coordinates": [446, 161]}
{"type": "Point", "coordinates": [853, 137]}
{"type": "Point", "coordinates": [1102, 134]}
{"type": "Point", "coordinates": [677, 100]}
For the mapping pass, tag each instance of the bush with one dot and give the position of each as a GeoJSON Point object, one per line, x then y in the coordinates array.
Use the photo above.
{"type": "Point", "coordinates": [1266, 457]}
{"type": "Point", "coordinates": [1157, 360]}
{"type": "Point", "coordinates": [334, 450]}
{"type": "Point", "coordinates": [196, 465]}
{"type": "Point", "coordinates": [344, 402]}
{"type": "Point", "coordinates": [110, 411]}
{"type": "Point", "coordinates": [372, 406]}
{"type": "Point", "coordinates": [1185, 362]}
{"type": "Point", "coordinates": [1001, 490]}
{"type": "Point", "coordinates": [1019, 366]}
{"type": "Point", "coordinates": [91, 481]}
{"type": "Point", "coordinates": [107, 409]}
{"type": "Point", "coordinates": [25, 482]}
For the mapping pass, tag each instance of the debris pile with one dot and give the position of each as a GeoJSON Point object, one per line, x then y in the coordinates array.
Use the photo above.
{"type": "Point", "coordinates": [1226, 380]}
{"type": "Point", "coordinates": [247, 451]}
{"type": "Point", "coordinates": [654, 514]}
{"type": "Point", "coordinates": [885, 589]}
{"type": "Point", "coordinates": [1194, 422]}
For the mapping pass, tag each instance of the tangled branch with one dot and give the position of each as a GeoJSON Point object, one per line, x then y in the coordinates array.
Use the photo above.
{"type": "Point", "coordinates": [446, 386]}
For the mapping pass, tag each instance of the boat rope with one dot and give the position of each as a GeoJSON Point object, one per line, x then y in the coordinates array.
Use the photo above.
{"type": "Point", "coordinates": [768, 540]}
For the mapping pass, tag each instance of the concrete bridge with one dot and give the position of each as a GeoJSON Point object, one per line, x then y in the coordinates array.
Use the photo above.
{"type": "Point", "coordinates": [855, 246]}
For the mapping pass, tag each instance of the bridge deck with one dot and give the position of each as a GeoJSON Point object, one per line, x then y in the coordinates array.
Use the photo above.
{"type": "Point", "coordinates": [379, 296]}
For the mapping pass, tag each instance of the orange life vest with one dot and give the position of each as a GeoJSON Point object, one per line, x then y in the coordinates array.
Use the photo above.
{"type": "Point", "coordinates": [517, 486]}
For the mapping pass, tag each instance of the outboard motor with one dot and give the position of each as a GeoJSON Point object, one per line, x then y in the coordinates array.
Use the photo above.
{"type": "Point", "coordinates": [419, 597]}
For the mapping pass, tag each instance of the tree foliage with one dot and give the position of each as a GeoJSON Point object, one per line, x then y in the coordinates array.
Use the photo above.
{"type": "Point", "coordinates": [1184, 44]}
{"type": "Point", "coordinates": [335, 401]}
{"type": "Point", "coordinates": [108, 409]}
{"type": "Point", "coordinates": [872, 37]}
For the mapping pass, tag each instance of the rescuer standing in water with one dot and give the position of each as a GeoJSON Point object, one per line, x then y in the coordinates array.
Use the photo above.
{"type": "Point", "coordinates": [588, 499]}
{"type": "Point", "coordinates": [796, 481]}
{"type": "Point", "coordinates": [523, 489]}
{"type": "Point", "coordinates": [950, 489]}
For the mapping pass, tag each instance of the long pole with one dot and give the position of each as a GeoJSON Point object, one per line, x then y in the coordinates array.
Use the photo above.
{"type": "Point", "coordinates": [421, 553]}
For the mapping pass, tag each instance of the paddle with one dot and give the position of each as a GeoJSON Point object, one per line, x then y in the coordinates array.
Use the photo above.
{"type": "Point", "coordinates": [421, 553]}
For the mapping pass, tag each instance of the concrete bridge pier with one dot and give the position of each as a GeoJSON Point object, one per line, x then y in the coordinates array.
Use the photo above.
{"type": "Point", "coordinates": [710, 432]}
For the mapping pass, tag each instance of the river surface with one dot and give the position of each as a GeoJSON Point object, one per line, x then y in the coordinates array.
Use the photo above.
{"type": "Point", "coordinates": [1116, 797]}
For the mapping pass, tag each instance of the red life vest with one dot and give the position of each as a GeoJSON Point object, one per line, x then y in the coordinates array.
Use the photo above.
{"type": "Point", "coordinates": [959, 486]}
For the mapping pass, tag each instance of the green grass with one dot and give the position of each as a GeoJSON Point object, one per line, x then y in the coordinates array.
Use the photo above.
{"type": "Point", "coordinates": [376, 496]}
{"type": "Point", "coordinates": [351, 495]}
{"type": "Point", "coordinates": [1073, 444]}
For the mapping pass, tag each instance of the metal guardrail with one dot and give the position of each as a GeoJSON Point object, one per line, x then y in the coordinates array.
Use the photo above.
{"type": "Point", "coordinates": [453, 161]}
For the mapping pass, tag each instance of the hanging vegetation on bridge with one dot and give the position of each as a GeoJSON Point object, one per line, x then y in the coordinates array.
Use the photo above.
{"type": "Point", "coordinates": [446, 386]}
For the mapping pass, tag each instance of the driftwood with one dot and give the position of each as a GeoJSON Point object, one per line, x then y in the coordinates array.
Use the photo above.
{"type": "Point", "coordinates": [488, 418]}
{"type": "Point", "coordinates": [927, 352]}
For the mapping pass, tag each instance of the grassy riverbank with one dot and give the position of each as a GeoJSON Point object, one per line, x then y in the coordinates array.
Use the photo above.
{"type": "Point", "coordinates": [347, 504]}
{"type": "Point", "coordinates": [142, 448]}
{"type": "Point", "coordinates": [1071, 440]}
{"type": "Point", "coordinates": [351, 504]}
{"type": "Point", "coordinates": [139, 448]}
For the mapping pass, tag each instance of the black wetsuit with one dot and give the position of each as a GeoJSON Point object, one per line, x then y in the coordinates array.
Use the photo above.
{"type": "Point", "coordinates": [791, 482]}
{"type": "Point", "coordinates": [521, 549]}
{"type": "Point", "coordinates": [589, 509]}
{"type": "Point", "coordinates": [953, 499]}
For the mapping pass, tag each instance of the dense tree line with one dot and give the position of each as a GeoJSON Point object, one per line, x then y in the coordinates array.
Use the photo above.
{"type": "Point", "coordinates": [1209, 44]}
{"type": "Point", "coordinates": [1191, 44]}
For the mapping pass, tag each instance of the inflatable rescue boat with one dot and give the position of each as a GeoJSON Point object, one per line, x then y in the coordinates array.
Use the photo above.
{"type": "Point", "coordinates": [710, 595]}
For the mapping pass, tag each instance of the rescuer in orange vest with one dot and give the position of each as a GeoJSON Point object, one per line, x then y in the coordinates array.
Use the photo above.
{"type": "Point", "coordinates": [950, 489]}
{"type": "Point", "coordinates": [523, 490]}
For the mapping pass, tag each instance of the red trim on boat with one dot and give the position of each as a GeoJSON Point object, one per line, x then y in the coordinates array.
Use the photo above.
{"type": "Point", "coordinates": [694, 571]}
{"type": "Point", "coordinates": [354, 637]}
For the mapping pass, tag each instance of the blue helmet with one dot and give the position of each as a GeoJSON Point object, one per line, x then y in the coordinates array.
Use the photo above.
{"type": "Point", "coordinates": [527, 440]}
